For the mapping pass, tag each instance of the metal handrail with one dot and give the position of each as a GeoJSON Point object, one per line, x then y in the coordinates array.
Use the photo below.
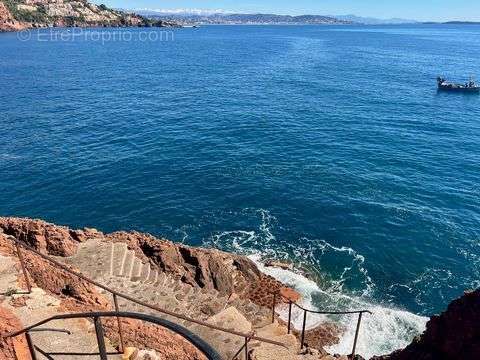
{"type": "Point", "coordinates": [195, 340]}
{"type": "Point", "coordinates": [276, 293]}
{"type": "Point", "coordinates": [117, 294]}
{"type": "Point", "coordinates": [306, 311]}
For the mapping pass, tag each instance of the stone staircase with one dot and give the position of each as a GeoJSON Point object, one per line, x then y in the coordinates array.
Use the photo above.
{"type": "Point", "coordinates": [37, 306]}
{"type": "Point", "coordinates": [117, 267]}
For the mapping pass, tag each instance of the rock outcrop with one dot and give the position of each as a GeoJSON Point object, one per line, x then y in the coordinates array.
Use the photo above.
{"type": "Point", "coordinates": [23, 14]}
{"type": "Point", "coordinates": [8, 22]}
{"type": "Point", "coordinates": [206, 268]}
{"type": "Point", "coordinates": [230, 274]}
{"type": "Point", "coordinates": [227, 273]}
{"type": "Point", "coordinates": [47, 238]}
{"type": "Point", "coordinates": [16, 347]}
{"type": "Point", "coordinates": [453, 335]}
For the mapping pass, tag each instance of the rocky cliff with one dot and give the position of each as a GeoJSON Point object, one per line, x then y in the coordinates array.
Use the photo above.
{"type": "Point", "coordinates": [7, 21]}
{"type": "Point", "coordinates": [206, 268]}
{"type": "Point", "coordinates": [24, 14]}
{"type": "Point", "coordinates": [452, 335]}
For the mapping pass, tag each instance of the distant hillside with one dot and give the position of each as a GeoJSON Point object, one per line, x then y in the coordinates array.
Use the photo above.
{"type": "Point", "coordinates": [241, 19]}
{"type": "Point", "coordinates": [374, 21]}
{"type": "Point", "coordinates": [23, 14]}
{"type": "Point", "coordinates": [462, 22]}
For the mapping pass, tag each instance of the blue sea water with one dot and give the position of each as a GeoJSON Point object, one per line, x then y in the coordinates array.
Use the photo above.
{"type": "Point", "coordinates": [327, 146]}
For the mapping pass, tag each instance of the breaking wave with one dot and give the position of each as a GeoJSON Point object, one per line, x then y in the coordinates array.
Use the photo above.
{"type": "Point", "coordinates": [342, 285]}
{"type": "Point", "coordinates": [386, 330]}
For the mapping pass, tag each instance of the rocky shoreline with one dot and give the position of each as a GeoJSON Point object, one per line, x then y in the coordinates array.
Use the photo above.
{"type": "Point", "coordinates": [17, 15]}
{"type": "Point", "coordinates": [206, 268]}
{"type": "Point", "coordinates": [452, 335]}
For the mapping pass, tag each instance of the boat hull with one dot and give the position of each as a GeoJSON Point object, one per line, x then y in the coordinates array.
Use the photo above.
{"type": "Point", "coordinates": [474, 90]}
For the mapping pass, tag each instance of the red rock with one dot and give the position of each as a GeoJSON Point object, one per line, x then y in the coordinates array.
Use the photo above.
{"type": "Point", "coordinates": [206, 268]}
{"type": "Point", "coordinates": [453, 335]}
{"type": "Point", "coordinates": [168, 345]}
{"type": "Point", "coordinates": [7, 21]}
{"type": "Point", "coordinates": [326, 334]}
{"type": "Point", "coordinates": [42, 236]}
{"type": "Point", "coordinates": [289, 294]}
{"type": "Point", "coordinates": [279, 264]}
{"type": "Point", "coordinates": [12, 348]}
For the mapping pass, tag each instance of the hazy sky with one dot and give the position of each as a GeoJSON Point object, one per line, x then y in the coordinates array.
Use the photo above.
{"type": "Point", "coordinates": [411, 9]}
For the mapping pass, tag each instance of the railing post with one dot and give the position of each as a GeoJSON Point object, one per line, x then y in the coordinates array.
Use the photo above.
{"type": "Point", "coordinates": [273, 306]}
{"type": "Point", "coordinates": [246, 348]}
{"type": "Point", "coordinates": [356, 334]}
{"type": "Point", "coordinates": [119, 323]}
{"type": "Point", "coordinates": [303, 328]}
{"type": "Point", "coordinates": [33, 354]}
{"type": "Point", "coordinates": [100, 338]}
{"type": "Point", "coordinates": [22, 264]}
{"type": "Point", "coordinates": [289, 314]}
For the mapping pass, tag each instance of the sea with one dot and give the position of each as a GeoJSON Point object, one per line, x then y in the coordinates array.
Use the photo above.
{"type": "Point", "coordinates": [327, 147]}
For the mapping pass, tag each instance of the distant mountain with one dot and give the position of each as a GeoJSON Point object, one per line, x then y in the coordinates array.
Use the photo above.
{"type": "Point", "coordinates": [462, 22]}
{"type": "Point", "coordinates": [373, 21]}
{"type": "Point", "coordinates": [238, 19]}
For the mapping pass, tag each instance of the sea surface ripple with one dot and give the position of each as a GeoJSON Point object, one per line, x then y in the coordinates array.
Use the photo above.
{"type": "Point", "coordinates": [326, 146]}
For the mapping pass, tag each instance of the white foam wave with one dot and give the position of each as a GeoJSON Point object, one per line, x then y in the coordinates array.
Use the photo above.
{"type": "Point", "coordinates": [386, 330]}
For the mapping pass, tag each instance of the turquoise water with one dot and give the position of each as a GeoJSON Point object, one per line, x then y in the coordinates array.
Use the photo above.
{"type": "Point", "coordinates": [328, 146]}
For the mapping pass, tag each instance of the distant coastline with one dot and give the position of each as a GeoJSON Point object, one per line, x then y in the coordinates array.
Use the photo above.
{"type": "Point", "coordinates": [242, 19]}
{"type": "Point", "coordinates": [215, 18]}
{"type": "Point", "coordinates": [17, 15]}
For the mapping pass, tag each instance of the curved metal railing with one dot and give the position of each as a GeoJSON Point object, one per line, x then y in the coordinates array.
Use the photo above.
{"type": "Point", "coordinates": [115, 294]}
{"type": "Point", "coordinates": [292, 303]}
{"type": "Point", "coordinates": [195, 340]}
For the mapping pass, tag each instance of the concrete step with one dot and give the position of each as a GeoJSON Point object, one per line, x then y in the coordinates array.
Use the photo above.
{"type": "Point", "coordinates": [136, 270]}
{"type": "Point", "coordinates": [129, 263]}
{"type": "Point", "coordinates": [152, 277]}
{"type": "Point", "coordinates": [118, 258]}
{"type": "Point", "coordinates": [145, 272]}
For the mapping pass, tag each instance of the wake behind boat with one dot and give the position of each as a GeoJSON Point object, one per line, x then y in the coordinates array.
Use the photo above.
{"type": "Point", "coordinates": [469, 87]}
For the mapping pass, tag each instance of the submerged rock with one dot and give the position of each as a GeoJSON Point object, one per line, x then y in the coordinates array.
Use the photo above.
{"type": "Point", "coordinates": [279, 264]}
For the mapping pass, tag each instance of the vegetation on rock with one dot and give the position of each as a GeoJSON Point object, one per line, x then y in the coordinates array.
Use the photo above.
{"type": "Point", "coordinates": [67, 13]}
